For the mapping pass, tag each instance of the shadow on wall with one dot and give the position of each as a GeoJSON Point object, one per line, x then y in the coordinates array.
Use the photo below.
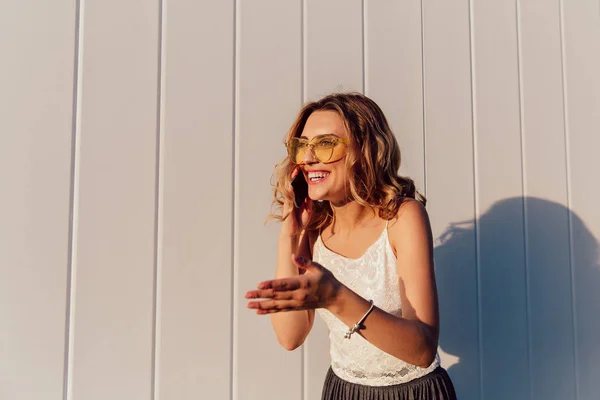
{"type": "Point", "coordinates": [526, 323]}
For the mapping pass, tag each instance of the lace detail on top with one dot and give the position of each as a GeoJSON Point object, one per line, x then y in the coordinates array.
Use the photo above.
{"type": "Point", "coordinates": [372, 276]}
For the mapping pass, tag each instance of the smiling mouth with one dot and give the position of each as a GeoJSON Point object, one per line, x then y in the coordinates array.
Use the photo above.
{"type": "Point", "coordinates": [317, 176]}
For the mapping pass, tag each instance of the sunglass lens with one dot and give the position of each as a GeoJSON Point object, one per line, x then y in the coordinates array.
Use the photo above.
{"type": "Point", "coordinates": [323, 154]}
{"type": "Point", "coordinates": [300, 153]}
{"type": "Point", "coordinates": [296, 150]}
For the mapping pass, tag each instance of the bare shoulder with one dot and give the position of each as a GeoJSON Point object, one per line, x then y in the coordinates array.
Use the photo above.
{"type": "Point", "coordinates": [410, 225]}
{"type": "Point", "coordinates": [411, 213]}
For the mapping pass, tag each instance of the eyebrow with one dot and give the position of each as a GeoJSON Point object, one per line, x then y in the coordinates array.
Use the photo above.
{"type": "Point", "coordinates": [325, 135]}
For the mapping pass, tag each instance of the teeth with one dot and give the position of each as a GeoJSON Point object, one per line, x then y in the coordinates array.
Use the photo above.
{"type": "Point", "coordinates": [314, 176]}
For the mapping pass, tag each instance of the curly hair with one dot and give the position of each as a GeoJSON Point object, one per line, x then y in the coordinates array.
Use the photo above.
{"type": "Point", "coordinates": [372, 162]}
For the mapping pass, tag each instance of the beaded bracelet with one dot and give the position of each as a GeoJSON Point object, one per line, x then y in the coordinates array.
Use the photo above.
{"type": "Point", "coordinates": [358, 325]}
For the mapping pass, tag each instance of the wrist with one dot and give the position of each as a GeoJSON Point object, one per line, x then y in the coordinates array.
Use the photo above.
{"type": "Point", "coordinates": [288, 230]}
{"type": "Point", "coordinates": [289, 237]}
{"type": "Point", "coordinates": [339, 295]}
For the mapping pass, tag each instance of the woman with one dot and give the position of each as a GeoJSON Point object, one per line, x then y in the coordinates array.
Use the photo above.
{"type": "Point", "coordinates": [358, 250]}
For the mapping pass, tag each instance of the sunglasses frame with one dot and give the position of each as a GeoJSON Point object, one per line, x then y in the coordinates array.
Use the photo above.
{"type": "Point", "coordinates": [310, 145]}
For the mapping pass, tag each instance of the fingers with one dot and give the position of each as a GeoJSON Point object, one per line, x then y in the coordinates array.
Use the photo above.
{"type": "Point", "coordinates": [269, 294]}
{"type": "Point", "coordinates": [286, 294]}
{"type": "Point", "coordinates": [295, 172]}
{"type": "Point", "coordinates": [288, 206]}
{"type": "Point", "coordinates": [273, 306]}
{"type": "Point", "coordinates": [305, 264]}
{"type": "Point", "coordinates": [281, 284]}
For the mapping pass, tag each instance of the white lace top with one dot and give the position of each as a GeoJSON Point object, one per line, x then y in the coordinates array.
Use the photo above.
{"type": "Point", "coordinates": [372, 276]}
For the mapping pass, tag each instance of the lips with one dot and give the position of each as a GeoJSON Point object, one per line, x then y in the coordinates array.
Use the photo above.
{"type": "Point", "coordinates": [316, 176]}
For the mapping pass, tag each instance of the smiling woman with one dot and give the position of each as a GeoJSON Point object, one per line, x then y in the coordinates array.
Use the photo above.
{"type": "Point", "coordinates": [358, 249]}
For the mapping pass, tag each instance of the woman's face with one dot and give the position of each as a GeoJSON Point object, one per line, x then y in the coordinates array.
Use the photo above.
{"type": "Point", "coordinates": [326, 180]}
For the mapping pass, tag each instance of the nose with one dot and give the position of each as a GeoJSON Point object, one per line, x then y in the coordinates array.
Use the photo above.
{"type": "Point", "coordinates": [309, 157]}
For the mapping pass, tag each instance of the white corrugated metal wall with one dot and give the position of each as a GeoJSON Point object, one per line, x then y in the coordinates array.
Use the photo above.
{"type": "Point", "coordinates": [137, 142]}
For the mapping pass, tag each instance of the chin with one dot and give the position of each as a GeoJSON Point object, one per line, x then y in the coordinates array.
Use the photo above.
{"type": "Point", "coordinates": [323, 194]}
{"type": "Point", "coordinates": [318, 198]}
{"type": "Point", "coordinates": [331, 199]}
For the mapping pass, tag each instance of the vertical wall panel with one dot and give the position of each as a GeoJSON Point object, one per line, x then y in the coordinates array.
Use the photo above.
{"type": "Point", "coordinates": [194, 346]}
{"type": "Point", "coordinates": [449, 158]}
{"type": "Point", "coordinates": [333, 47]}
{"type": "Point", "coordinates": [581, 51]}
{"type": "Point", "coordinates": [114, 268]}
{"type": "Point", "coordinates": [37, 43]}
{"type": "Point", "coordinates": [268, 98]}
{"type": "Point", "coordinates": [499, 175]}
{"type": "Point", "coordinates": [334, 62]}
{"type": "Point", "coordinates": [545, 190]}
{"type": "Point", "coordinates": [394, 76]}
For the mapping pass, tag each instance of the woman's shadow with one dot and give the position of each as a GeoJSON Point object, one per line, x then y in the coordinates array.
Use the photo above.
{"type": "Point", "coordinates": [519, 292]}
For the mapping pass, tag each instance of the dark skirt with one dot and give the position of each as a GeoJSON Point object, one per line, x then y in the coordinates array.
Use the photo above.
{"type": "Point", "coordinates": [436, 385]}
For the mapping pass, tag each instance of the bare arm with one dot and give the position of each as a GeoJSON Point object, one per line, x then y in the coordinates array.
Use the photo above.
{"type": "Point", "coordinates": [413, 337]}
{"type": "Point", "coordinates": [292, 328]}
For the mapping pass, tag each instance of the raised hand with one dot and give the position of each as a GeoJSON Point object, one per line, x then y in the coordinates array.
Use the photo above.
{"type": "Point", "coordinates": [315, 288]}
{"type": "Point", "coordinates": [298, 217]}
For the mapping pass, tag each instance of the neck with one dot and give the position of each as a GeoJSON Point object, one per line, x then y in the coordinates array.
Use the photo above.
{"type": "Point", "coordinates": [350, 215]}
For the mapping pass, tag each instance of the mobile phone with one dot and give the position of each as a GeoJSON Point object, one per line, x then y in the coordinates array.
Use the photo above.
{"type": "Point", "coordinates": [300, 189]}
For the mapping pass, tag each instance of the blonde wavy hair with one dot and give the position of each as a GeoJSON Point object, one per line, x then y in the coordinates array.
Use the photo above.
{"type": "Point", "coordinates": [372, 161]}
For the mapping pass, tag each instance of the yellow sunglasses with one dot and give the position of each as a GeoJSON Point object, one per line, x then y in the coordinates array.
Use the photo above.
{"type": "Point", "coordinates": [325, 148]}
